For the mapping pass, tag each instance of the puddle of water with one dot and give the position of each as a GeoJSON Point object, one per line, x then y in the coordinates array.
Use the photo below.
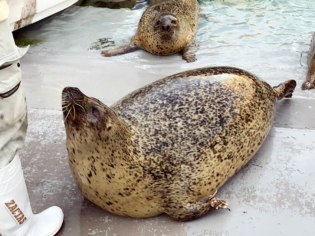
{"type": "Point", "coordinates": [102, 43]}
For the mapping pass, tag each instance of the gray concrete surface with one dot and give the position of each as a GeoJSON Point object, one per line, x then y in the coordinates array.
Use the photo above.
{"type": "Point", "coordinates": [273, 195]}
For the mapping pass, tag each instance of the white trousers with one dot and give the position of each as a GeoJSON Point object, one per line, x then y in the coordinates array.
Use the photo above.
{"type": "Point", "coordinates": [13, 114]}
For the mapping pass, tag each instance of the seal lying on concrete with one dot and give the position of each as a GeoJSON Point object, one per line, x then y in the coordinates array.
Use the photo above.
{"type": "Point", "coordinates": [169, 146]}
{"type": "Point", "coordinates": [166, 27]}
{"type": "Point", "coordinates": [310, 76]}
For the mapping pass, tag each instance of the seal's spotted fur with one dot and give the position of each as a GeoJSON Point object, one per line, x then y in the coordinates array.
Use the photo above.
{"type": "Point", "coordinates": [309, 83]}
{"type": "Point", "coordinates": [167, 148]}
{"type": "Point", "coordinates": [185, 13]}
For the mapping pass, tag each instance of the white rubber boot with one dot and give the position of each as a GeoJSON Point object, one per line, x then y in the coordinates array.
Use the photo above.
{"type": "Point", "coordinates": [16, 216]}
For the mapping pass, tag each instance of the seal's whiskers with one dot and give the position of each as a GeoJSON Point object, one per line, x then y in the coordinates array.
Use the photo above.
{"type": "Point", "coordinates": [65, 106]}
{"type": "Point", "coordinates": [77, 104]}
{"type": "Point", "coordinates": [67, 114]}
{"type": "Point", "coordinates": [73, 112]}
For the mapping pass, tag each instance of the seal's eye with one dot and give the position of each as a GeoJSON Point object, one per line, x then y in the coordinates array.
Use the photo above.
{"type": "Point", "coordinates": [174, 22]}
{"type": "Point", "coordinates": [158, 22]}
{"type": "Point", "coordinates": [96, 112]}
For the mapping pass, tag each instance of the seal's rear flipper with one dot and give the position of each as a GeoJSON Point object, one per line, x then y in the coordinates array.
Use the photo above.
{"type": "Point", "coordinates": [121, 50]}
{"type": "Point", "coordinates": [285, 89]}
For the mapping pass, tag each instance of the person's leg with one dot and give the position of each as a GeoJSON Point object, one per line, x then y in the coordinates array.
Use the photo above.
{"type": "Point", "coordinates": [13, 121]}
{"type": "Point", "coordinates": [13, 118]}
{"type": "Point", "coordinates": [16, 216]}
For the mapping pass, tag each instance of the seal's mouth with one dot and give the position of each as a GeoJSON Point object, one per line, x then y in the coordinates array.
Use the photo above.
{"type": "Point", "coordinates": [72, 103]}
{"type": "Point", "coordinates": [167, 36]}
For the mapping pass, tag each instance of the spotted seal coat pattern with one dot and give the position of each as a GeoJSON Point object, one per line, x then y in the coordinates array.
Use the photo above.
{"type": "Point", "coordinates": [168, 147]}
{"type": "Point", "coordinates": [310, 76]}
{"type": "Point", "coordinates": [166, 27]}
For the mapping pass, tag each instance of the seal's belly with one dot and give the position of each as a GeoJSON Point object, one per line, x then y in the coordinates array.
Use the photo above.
{"type": "Point", "coordinates": [114, 191]}
{"type": "Point", "coordinates": [203, 128]}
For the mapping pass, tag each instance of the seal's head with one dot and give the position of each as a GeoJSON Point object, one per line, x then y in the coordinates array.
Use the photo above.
{"type": "Point", "coordinates": [87, 118]}
{"type": "Point", "coordinates": [166, 25]}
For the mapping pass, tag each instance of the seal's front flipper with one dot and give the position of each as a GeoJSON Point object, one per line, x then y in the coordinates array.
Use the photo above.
{"type": "Point", "coordinates": [285, 89]}
{"type": "Point", "coordinates": [184, 210]}
{"type": "Point", "coordinates": [310, 77]}
{"type": "Point", "coordinates": [308, 85]}
{"type": "Point", "coordinates": [121, 50]}
{"type": "Point", "coordinates": [189, 53]}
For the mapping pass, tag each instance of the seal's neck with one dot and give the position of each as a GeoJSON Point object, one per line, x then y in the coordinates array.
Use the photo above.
{"type": "Point", "coordinates": [104, 136]}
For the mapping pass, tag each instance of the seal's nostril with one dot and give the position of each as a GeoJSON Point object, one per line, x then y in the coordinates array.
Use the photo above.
{"type": "Point", "coordinates": [72, 93]}
{"type": "Point", "coordinates": [165, 27]}
{"type": "Point", "coordinates": [76, 93]}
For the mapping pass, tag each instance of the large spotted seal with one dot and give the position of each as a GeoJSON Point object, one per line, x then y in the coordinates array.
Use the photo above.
{"type": "Point", "coordinates": [166, 27]}
{"type": "Point", "coordinates": [169, 146]}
